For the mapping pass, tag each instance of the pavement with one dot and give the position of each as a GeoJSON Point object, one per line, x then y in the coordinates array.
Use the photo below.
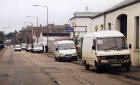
{"type": "Point", "coordinates": [2, 51]}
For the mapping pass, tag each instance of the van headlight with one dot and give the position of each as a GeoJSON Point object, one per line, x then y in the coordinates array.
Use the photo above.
{"type": "Point", "coordinates": [127, 57]}
{"type": "Point", "coordinates": [75, 54]}
{"type": "Point", "coordinates": [103, 57]}
{"type": "Point", "coordinates": [59, 54]}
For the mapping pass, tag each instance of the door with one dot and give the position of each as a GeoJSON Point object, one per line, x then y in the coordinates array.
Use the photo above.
{"type": "Point", "coordinates": [92, 55]}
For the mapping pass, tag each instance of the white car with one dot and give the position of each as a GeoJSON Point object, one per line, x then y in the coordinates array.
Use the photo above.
{"type": "Point", "coordinates": [29, 47]}
{"type": "Point", "coordinates": [17, 47]}
{"type": "Point", "coordinates": [37, 48]}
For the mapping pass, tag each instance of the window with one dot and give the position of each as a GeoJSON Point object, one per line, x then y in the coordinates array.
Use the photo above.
{"type": "Point", "coordinates": [109, 26]}
{"type": "Point", "coordinates": [96, 28]}
{"type": "Point", "coordinates": [113, 43]}
{"type": "Point", "coordinates": [102, 27]}
{"type": "Point", "coordinates": [137, 31]}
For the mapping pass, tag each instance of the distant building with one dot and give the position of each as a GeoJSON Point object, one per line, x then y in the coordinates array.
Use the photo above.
{"type": "Point", "coordinates": [40, 33]}
{"type": "Point", "coordinates": [24, 36]}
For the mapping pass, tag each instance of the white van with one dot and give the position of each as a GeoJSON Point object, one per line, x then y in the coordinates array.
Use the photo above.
{"type": "Point", "coordinates": [23, 46]}
{"type": "Point", "coordinates": [65, 50]}
{"type": "Point", "coordinates": [105, 49]}
{"type": "Point", "coordinates": [37, 48]}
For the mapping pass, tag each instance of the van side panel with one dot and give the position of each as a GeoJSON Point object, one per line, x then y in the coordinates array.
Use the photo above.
{"type": "Point", "coordinates": [87, 49]}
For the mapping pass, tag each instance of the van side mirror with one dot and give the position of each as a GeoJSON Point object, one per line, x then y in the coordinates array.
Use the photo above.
{"type": "Point", "coordinates": [56, 49]}
{"type": "Point", "coordinates": [130, 46]}
{"type": "Point", "coordinates": [93, 47]}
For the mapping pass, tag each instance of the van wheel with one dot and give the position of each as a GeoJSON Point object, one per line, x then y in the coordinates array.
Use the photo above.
{"type": "Point", "coordinates": [58, 59]}
{"type": "Point", "coordinates": [98, 69]}
{"type": "Point", "coordinates": [127, 69]}
{"type": "Point", "coordinates": [55, 59]}
{"type": "Point", "coordinates": [76, 59]}
{"type": "Point", "coordinates": [87, 66]}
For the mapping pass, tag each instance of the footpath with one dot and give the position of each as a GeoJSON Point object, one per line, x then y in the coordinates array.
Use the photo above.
{"type": "Point", "coordinates": [133, 74]}
{"type": "Point", "coordinates": [2, 51]}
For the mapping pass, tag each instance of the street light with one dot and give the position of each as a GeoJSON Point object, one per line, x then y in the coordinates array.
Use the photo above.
{"type": "Point", "coordinates": [5, 32]}
{"type": "Point", "coordinates": [47, 18]}
{"type": "Point", "coordinates": [45, 7]}
{"type": "Point", "coordinates": [35, 18]}
{"type": "Point", "coordinates": [37, 26]}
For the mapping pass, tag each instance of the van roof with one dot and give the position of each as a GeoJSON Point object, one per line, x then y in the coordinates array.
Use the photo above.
{"type": "Point", "coordinates": [103, 34]}
{"type": "Point", "coordinates": [64, 41]}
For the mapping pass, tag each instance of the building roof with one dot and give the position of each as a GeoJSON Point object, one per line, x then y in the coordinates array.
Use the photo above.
{"type": "Point", "coordinates": [123, 4]}
{"type": "Point", "coordinates": [58, 29]}
{"type": "Point", "coordinates": [84, 14]}
{"type": "Point", "coordinates": [56, 34]}
{"type": "Point", "coordinates": [64, 41]}
{"type": "Point", "coordinates": [103, 34]}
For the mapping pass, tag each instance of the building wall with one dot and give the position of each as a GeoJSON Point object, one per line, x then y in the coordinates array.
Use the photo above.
{"type": "Point", "coordinates": [97, 22]}
{"type": "Point", "coordinates": [81, 26]}
{"type": "Point", "coordinates": [112, 17]}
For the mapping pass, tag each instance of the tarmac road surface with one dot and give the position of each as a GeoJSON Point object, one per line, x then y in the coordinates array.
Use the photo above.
{"type": "Point", "coordinates": [24, 68]}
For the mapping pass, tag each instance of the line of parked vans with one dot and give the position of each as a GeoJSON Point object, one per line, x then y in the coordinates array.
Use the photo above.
{"type": "Point", "coordinates": [29, 47]}
{"type": "Point", "coordinates": [103, 49]}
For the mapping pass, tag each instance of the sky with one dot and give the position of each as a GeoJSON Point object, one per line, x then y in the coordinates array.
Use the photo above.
{"type": "Point", "coordinates": [13, 13]}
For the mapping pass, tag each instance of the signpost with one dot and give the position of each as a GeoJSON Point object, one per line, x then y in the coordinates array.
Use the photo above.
{"type": "Point", "coordinates": [69, 29]}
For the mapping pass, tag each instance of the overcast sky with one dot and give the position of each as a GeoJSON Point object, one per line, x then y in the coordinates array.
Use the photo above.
{"type": "Point", "coordinates": [13, 12]}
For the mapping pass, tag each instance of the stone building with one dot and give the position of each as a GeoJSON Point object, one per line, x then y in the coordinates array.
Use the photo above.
{"type": "Point", "coordinates": [123, 17]}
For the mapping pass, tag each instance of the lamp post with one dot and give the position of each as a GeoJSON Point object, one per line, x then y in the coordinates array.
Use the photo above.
{"type": "Point", "coordinates": [5, 32]}
{"type": "Point", "coordinates": [47, 18]}
{"type": "Point", "coordinates": [29, 23]}
{"type": "Point", "coordinates": [37, 25]}
{"type": "Point", "coordinates": [35, 18]}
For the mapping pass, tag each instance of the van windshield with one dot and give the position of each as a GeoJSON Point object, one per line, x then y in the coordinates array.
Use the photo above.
{"type": "Point", "coordinates": [66, 46]}
{"type": "Point", "coordinates": [113, 43]}
{"type": "Point", "coordinates": [17, 46]}
{"type": "Point", "coordinates": [37, 46]}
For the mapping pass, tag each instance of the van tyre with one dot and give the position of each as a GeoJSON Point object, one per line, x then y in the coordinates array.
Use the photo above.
{"type": "Point", "coordinates": [87, 66]}
{"type": "Point", "coordinates": [76, 59]}
{"type": "Point", "coordinates": [127, 69]}
{"type": "Point", "coordinates": [58, 59]}
{"type": "Point", "coordinates": [98, 69]}
{"type": "Point", "coordinates": [55, 59]}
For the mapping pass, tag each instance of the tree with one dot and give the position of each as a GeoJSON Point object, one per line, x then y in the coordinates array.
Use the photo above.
{"type": "Point", "coordinates": [1, 41]}
{"type": "Point", "coordinates": [11, 35]}
{"type": "Point", "coordinates": [2, 34]}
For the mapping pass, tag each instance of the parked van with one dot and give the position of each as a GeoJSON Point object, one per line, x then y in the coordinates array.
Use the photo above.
{"type": "Point", "coordinates": [23, 46]}
{"type": "Point", "coordinates": [65, 50]}
{"type": "Point", "coordinates": [38, 48]}
{"type": "Point", "coordinates": [105, 49]}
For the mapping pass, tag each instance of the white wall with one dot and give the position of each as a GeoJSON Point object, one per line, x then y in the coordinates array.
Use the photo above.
{"type": "Point", "coordinates": [131, 12]}
{"type": "Point", "coordinates": [97, 22]}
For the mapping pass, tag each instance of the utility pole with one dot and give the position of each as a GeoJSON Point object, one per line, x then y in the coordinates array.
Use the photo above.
{"type": "Point", "coordinates": [47, 27]}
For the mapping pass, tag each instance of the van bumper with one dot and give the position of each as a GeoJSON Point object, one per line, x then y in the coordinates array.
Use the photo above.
{"type": "Point", "coordinates": [67, 58]}
{"type": "Point", "coordinates": [122, 65]}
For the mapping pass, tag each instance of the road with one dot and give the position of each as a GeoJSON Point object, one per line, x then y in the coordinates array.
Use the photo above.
{"type": "Point", "coordinates": [24, 68]}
